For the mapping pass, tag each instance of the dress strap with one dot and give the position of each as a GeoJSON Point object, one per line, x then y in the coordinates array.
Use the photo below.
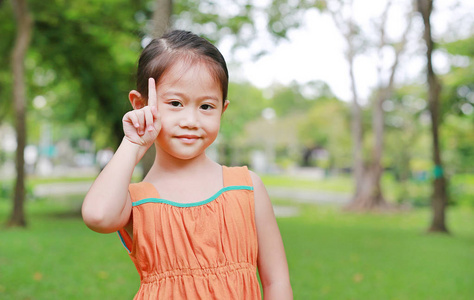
{"type": "Point", "coordinates": [236, 176]}
{"type": "Point", "coordinates": [142, 190]}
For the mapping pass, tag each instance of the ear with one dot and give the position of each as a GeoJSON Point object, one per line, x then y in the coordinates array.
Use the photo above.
{"type": "Point", "coordinates": [136, 99]}
{"type": "Point", "coordinates": [226, 103]}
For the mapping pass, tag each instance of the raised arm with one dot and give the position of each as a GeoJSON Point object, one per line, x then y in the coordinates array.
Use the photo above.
{"type": "Point", "coordinates": [271, 260]}
{"type": "Point", "coordinates": [107, 206]}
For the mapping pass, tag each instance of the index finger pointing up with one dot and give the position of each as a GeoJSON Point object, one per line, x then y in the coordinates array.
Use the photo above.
{"type": "Point", "coordinates": [151, 92]}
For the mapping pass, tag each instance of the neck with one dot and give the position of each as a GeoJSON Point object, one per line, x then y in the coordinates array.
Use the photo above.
{"type": "Point", "coordinates": [167, 164]}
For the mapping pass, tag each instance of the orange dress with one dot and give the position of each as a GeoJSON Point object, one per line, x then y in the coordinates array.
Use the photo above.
{"type": "Point", "coordinates": [201, 250]}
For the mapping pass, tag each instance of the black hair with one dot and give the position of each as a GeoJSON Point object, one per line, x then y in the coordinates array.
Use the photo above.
{"type": "Point", "coordinates": [164, 52]}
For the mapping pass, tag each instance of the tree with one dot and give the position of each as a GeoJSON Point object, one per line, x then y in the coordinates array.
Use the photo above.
{"type": "Point", "coordinates": [368, 192]}
{"type": "Point", "coordinates": [439, 197]}
{"type": "Point", "coordinates": [91, 54]}
{"type": "Point", "coordinates": [457, 106]}
{"type": "Point", "coordinates": [161, 19]}
{"type": "Point", "coordinates": [22, 42]}
{"type": "Point", "coordinates": [349, 30]}
{"type": "Point", "coordinates": [87, 73]}
{"type": "Point", "coordinates": [160, 22]}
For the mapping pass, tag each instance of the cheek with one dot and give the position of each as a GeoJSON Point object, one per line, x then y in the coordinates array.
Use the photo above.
{"type": "Point", "coordinates": [167, 119]}
{"type": "Point", "coordinates": [213, 124]}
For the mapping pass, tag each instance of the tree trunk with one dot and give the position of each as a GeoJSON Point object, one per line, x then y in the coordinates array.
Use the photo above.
{"type": "Point", "coordinates": [161, 17]}
{"type": "Point", "coordinates": [23, 37]}
{"type": "Point", "coordinates": [439, 197]}
{"type": "Point", "coordinates": [368, 192]}
{"type": "Point", "coordinates": [161, 23]}
{"type": "Point", "coordinates": [357, 131]}
{"type": "Point", "coordinates": [377, 168]}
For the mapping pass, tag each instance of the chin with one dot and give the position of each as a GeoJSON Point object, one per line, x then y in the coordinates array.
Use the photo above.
{"type": "Point", "coordinates": [186, 156]}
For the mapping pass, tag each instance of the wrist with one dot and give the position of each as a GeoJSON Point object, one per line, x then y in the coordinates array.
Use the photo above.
{"type": "Point", "coordinates": [137, 150]}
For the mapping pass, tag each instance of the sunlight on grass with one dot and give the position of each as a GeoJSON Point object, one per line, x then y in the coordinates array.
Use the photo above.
{"type": "Point", "coordinates": [330, 184]}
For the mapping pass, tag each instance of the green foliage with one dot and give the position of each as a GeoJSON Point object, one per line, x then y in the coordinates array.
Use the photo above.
{"type": "Point", "coordinates": [92, 47]}
{"type": "Point", "coordinates": [464, 47]}
{"type": "Point", "coordinates": [458, 139]}
{"type": "Point", "coordinates": [7, 29]}
{"type": "Point", "coordinates": [326, 125]}
{"type": "Point", "coordinates": [246, 103]}
{"type": "Point", "coordinates": [462, 190]}
{"type": "Point", "coordinates": [81, 60]}
{"type": "Point", "coordinates": [407, 132]}
{"type": "Point", "coordinates": [458, 86]}
{"type": "Point", "coordinates": [216, 20]}
{"type": "Point", "coordinates": [286, 15]}
{"type": "Point", "coordinates": [458, 106]}
{"type": "Point", "coordinates": [408, 137]}
{"type": "Point", "coordinates": [287, 100]}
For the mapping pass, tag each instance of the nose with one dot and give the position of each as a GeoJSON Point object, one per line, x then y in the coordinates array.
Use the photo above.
{"type": "Point", "coordinates": [189, 119]}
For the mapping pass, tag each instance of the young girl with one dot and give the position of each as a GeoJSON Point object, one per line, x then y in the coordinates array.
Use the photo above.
{"type": "Point", "coordinates": [193, 228]}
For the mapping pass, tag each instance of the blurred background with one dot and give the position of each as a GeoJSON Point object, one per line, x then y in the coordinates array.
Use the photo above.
{"type": "Point", "coordinates": [358, 115]}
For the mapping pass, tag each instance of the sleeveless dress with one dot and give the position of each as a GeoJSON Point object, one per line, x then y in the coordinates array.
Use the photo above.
{"type": "Point", "coordinates": [200, 250]}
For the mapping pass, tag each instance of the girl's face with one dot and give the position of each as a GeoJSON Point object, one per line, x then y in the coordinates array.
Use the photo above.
{"type": "Point", "coordinates": [190, 103]}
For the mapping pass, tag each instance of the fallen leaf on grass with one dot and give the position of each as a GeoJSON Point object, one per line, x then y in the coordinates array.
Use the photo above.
{"type": "Point", "coordinates": [103, 275]}
{"type": "Point", "coordinates": [358, 277]}
{"type": "Point", "coordinates": [37, 276]}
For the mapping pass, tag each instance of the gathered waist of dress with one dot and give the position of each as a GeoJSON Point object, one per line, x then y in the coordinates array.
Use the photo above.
{"type": "Point", "coordinates": [199, 272]}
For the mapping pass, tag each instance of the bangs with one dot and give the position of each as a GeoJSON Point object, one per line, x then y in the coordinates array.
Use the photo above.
{"type": "Point", "coordinates": [166, 61]}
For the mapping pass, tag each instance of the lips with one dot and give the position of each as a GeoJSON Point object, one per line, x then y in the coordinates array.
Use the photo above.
{"type": "Point", "coordinates": [188, 138]}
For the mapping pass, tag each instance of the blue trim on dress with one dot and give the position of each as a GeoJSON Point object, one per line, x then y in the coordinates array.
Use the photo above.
{"type": "Point", "coordinates": [123, 242]}
{"type": "Point", "coordinates": [193, 204]}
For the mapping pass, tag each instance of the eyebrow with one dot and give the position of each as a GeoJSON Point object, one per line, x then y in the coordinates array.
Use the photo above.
{"type": "Point", "coordinates": [182, 95]}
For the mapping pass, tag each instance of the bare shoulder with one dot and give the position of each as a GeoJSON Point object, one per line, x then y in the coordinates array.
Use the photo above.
{"type": "Point", "coordinates": [260, 192]}
{"type": "Point", "coordinates": [256, 180]}
{"type": "Point", "coordinates": [263, 205]}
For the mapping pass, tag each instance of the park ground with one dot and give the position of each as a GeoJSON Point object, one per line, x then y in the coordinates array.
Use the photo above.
{"type": "Point", "coordinates": [332, 254]}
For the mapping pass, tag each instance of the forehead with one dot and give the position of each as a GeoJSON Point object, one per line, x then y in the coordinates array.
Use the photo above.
{"type": "Point", "coordinates": [185, 74]}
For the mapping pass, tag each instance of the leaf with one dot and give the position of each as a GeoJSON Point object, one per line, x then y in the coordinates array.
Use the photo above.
{"type": "Point", "coordinates": [358, 277]}
{"type": "Point", "coordinates": [37, 276]}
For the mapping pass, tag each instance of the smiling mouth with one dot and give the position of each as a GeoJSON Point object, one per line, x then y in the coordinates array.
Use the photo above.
{"type": "Point", "coordinates": [188, 139]}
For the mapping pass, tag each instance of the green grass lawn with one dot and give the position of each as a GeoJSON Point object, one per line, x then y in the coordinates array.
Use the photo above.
{"type": "Point", "coordinates": [415, 192]}
{"type": "Point", "coordinates": [335, 255]}
{"type": "Point", "coordinates": [331, 254]}
{"type": "Point", "coordinates": [331, 184]}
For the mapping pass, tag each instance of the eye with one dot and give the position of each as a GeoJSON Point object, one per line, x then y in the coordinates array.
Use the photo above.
{"type": "Point", "coordinates": [206, 107]}
{"type": "Point", "coordinates": [176, 103]}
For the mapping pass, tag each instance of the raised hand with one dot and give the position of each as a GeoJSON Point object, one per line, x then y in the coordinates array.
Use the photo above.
{"type": "Point", "coordinates": [142, 126]}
